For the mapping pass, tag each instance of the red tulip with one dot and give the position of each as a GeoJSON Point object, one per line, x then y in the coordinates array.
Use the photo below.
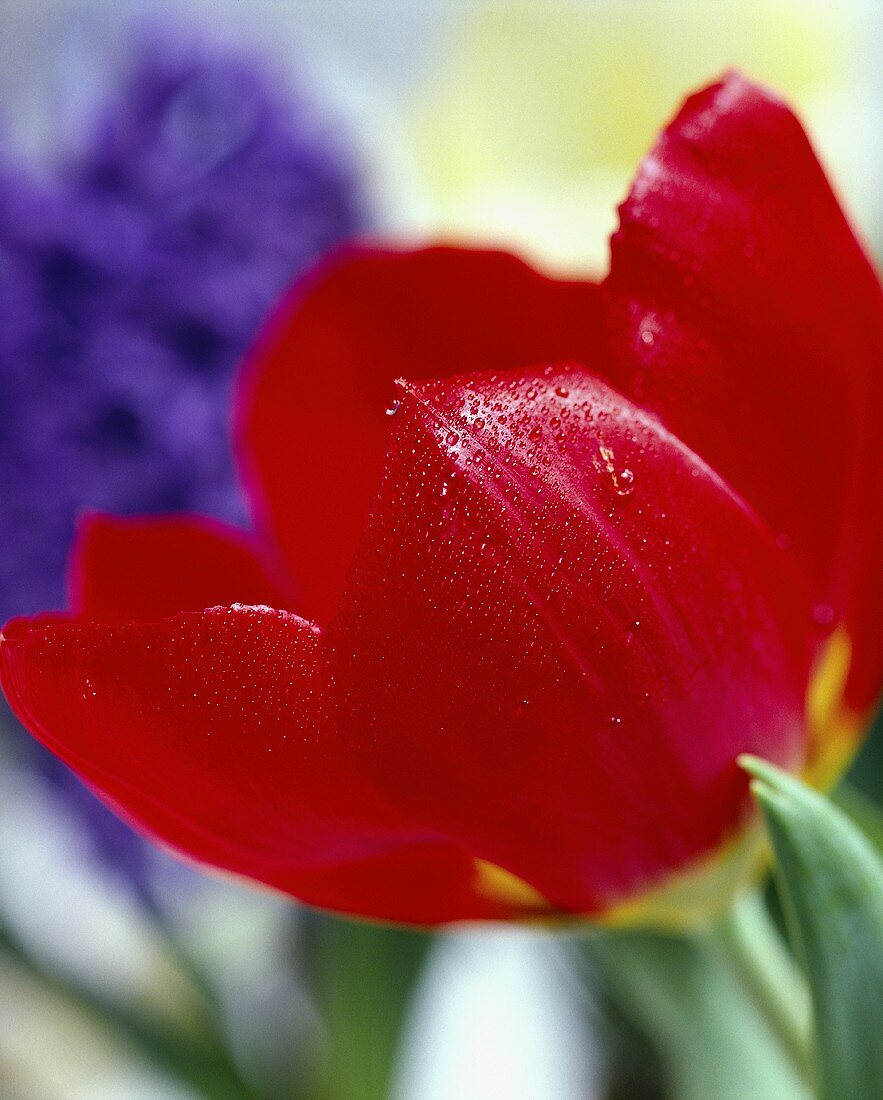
{"type": "Point", "coordinates": [601, 541]}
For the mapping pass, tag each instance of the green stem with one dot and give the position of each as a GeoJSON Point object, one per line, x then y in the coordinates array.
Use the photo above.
{"type": "Point", "coordinates": [724, 1009]}
{"type": "Point", "coordinates": [362, 977]}
{"type": "Point", "coordinates": [759, 956]}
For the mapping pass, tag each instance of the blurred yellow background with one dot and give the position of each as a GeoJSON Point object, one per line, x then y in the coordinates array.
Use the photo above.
{"type": "Point", "coordinates": [539, 112]}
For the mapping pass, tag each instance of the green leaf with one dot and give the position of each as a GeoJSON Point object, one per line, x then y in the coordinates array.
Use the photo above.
{"type": "Point", "coordinates": [831, 880]}
{"type": "Point", "coordinates": [862, 811]}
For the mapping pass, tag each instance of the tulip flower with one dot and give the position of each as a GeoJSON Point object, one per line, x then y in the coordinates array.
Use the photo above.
{"type": "Point", "coordinates": [533, 563]}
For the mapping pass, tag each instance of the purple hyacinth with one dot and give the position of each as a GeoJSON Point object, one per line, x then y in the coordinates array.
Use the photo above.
{"type": "Point", "coordinates": [131, 284]}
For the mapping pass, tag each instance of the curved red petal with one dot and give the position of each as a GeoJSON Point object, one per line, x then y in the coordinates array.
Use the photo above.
{"type": "Point", "coordinates": [745, 314]}
{"type": "Point", "coordinates": [313, 430]}
{"type": "Point", "coordinates": [207, 732]}
{"type": "Point", "coordinates": [561, 630]}
{"type": "Point", "coordinates": [151, 568]}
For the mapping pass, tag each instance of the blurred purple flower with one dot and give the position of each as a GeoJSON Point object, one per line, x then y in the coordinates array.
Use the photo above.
{"type": "Point", "coordinates": [131, 284]}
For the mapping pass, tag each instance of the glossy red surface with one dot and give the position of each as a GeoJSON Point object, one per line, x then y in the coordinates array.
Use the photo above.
{"type": "Point", "coordinates": [128, 569]}
{"type": "Point", "coordinates": [564, 574]}
{"type": "Point", "coordinates": [561, 630]}
{"type": "Point", "coordinates": [743, 311]}
{"type": "Point", "coordinates": [313, 413]}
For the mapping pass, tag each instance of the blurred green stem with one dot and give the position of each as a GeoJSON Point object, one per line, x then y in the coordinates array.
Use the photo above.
{"type": "Point", "coordinates": [362, 977]}
{"type": "Point", "coordinates": [725, 1009]}
{"type": "Point", "coordinates": [762, 961]}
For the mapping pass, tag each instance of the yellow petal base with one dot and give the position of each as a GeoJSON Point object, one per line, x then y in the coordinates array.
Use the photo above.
{"type": "Point", "coordinates": [699, 895]}
{"type": "Point", "coordinates": [498, 884]}
{"type": "Point", "coordinates": [835, 731]}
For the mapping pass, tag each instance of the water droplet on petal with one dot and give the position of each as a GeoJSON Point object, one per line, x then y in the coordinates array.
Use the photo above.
{"type": "Point", "coordinates": [823, 614]}
{"type": "Point", "coordinates": [625, 482]}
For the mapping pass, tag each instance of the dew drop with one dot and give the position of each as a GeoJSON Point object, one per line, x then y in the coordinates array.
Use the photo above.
{"type": "Point", "coordinates": [393, 408]}
{"type": "Point", "coordinates": [823, 614]}
{"type": "Point", "coordinates": [625, 482]}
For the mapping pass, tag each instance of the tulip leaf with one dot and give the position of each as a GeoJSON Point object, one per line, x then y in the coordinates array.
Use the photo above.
{"type": "Point", "coordinates": [831, 881]}
{"type": "Point", "coordinates": [864, 813]}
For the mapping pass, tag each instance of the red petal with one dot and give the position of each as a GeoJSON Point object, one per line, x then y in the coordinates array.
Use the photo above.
{"type": "Point", "coordinates": [562, 630]}
{"type": "Point", "coordinates": [130, 569]}
{"type": "Point", "coordinates": [207, 732]}
{"type": "Point", "coordinates": [313, 429]}
{"type": "Point", "coordinates": [746, 315]}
